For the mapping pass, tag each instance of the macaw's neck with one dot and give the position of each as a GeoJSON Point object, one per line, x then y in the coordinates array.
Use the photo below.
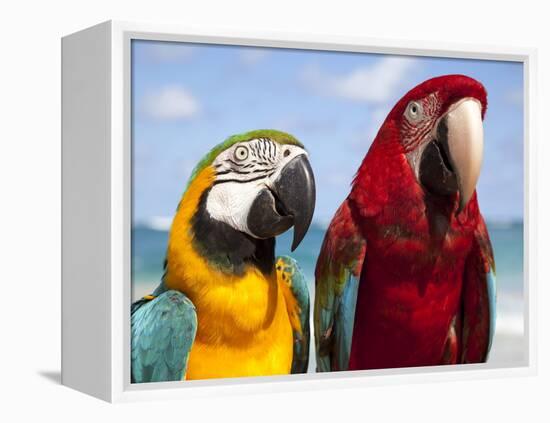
{"type": "Point", "coordinates": [385, 178]}
{"type": "Point", "coordinates": [228, 249]}
{"type": "Point", "coordinates": [197, 238]}
{"type": "Point", "coordinates": [392, 203]}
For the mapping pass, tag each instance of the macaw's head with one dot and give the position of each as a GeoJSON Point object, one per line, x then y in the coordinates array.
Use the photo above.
{"type": "Point", "coordinates": [441, 129]}
{"type": "Point", "coordinates": [438, 125]}
{"type": "Point", "coordinates": [253, 187]}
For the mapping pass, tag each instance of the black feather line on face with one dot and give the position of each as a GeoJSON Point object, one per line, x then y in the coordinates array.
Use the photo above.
{"type": "Point", "coordinates": [234, 163]}
{"type": "Point", "coordinates": [239, 172]}
{"type": "Point", "coordinates": [244, 181]}
{"type": "Point", "coordinates": [264, 170]}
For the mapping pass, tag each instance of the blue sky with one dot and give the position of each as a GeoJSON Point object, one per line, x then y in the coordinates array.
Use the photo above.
{"type": "Point", "coordinates": [189, 97]}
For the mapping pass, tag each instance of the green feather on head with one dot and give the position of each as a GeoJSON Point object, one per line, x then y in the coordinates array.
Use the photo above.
{"type": "Point", "coordinates": [277, 136]}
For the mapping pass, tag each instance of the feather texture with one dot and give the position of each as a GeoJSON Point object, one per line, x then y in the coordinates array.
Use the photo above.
{"type": "Point", "coordinates": [422, 293]}
{"type": "Point", "coordinates": [163, 331]}
{"type": "Point", "coordinates": [294, 285]}
{"type": "Point", "coordinates": [479, 299]}
{"type": "Point", "coordinates": [337, 280]}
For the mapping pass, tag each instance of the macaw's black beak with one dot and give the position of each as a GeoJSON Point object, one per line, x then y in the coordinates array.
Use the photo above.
{"type": "Point", "coordinates": [288, 201]}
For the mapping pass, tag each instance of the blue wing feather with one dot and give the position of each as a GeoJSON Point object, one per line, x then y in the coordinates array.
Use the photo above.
{"type": "Point", "coordinates": [299, 289]}
{"type": "Point", "coordinates": [337, 276]}
{"type": "Point", "coordinates": [344, 321]}
{"type": "Point", "coordinates": [163, 331]}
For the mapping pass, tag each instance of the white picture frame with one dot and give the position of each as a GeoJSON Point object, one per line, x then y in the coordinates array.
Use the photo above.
{"type": "Point", "coordinates": [96, 227]}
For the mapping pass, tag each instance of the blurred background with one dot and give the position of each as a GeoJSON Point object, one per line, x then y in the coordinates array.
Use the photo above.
{"type": "Point", "coordinates": [186, 98]}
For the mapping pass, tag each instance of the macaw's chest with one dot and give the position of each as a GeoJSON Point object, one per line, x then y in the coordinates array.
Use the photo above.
{"type": "Point", "coordinates": [243, 330]}
{"type": "Point", "coordinates": [419, 246]}
{"type": "Point", "coordinates": [410, 291]}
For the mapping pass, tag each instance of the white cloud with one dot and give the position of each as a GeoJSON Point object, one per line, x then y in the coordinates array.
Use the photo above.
{"type": "Point", "coordinates": [377, 83]}
{"type": "Point", "coordinates": [294, 123]}
{"type": "Point", "coordinates": [170, 52]}
{"type": "Point", "coordinates": [171, 103]}
{"type": "Point", "coordinates": [364, 136]}
{"type": "Point", "coordinates": [252, 56]}
{"type": "Point", "coordinates": [515, 96]}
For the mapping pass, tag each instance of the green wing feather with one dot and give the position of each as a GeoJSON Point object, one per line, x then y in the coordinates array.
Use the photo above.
{"type": "Point", "coordinates": [163, 331]}
{"type": "Point", "coordinates": [291, 273]}
{"type": "Point", "coordinates": [337, 276]}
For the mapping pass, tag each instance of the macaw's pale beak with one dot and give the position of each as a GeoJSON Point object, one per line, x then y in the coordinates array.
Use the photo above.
{"type": "Point", "coordinates": [452, 161]}
{"type": "Point", "coordinates": [288, 201]}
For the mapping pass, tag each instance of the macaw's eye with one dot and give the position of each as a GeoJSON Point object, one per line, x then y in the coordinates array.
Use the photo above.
{"type": "Point", "coordinates": [414, 111]}
{"type": "Point", "coordinates": [241, 153]}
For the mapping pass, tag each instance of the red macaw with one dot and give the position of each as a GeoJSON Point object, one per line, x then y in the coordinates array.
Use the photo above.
{"type": "Point", "coordinates": [405, 276]}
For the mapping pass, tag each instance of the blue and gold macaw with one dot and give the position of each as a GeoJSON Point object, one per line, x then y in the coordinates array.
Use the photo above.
{"type": "Point", "coordinates": [226, 306]}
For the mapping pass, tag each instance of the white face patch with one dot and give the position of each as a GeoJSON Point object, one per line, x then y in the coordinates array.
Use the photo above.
{"type": "Point", "coordinates": [242, 171]}
{"type": "Point", "coordinates": [419, 128]}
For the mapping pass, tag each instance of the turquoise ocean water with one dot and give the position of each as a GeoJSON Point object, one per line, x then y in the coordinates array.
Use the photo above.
{"type": "Point", "coordinates": [149, 246]}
